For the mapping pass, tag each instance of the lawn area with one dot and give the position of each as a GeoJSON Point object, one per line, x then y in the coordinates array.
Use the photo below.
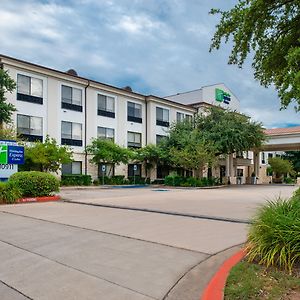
{"type": "Point", "coordinates": [248, 281]}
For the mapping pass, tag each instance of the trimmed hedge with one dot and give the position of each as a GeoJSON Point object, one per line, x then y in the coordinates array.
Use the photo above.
{"type": "Point", "coordinates": [9, 193]}
{"type": "Point", "coordinates": [34, 183]}
{"type": "Point", "coordinates": [176, 180]}
{"type": "Point", "coordinates": [74, 180]}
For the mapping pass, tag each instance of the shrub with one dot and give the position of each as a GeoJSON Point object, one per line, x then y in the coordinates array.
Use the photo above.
{"type": "Point", "coordinates": [79, 179]}
{"type": "Point", "coordinates": [9, 192]}
{"type": "Point", "coordinates": [174, 180]}
{"type": "Point", "coordinates": [297, 194]}
{"type": "Point", "coordinates": [138, 180]}
{"type": "Point", "coordinates": [288, 180]}
{"type": "Point", "coordinates": [274, 238]}
{"type": "Point", "coordinates": [35, 184]}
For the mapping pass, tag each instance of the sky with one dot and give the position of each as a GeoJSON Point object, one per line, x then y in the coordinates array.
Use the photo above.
{"type": "Point", "coordinates": [158, 47]}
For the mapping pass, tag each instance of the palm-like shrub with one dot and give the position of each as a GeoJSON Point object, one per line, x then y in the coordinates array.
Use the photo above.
{"type": "Point", "coordinates": [274, 236]}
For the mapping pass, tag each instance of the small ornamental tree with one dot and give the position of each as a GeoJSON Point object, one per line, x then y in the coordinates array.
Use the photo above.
{"type": "Point", "coordinates": [106, 151]}
{"type": "Point", "coordinates": [150, 155]}
{"type": "Point", "coordinates": [280, 166]}
{"type": "Point", "coordinates": [7, 85]}
{"type": "Point", "coordinates": [47, 156]}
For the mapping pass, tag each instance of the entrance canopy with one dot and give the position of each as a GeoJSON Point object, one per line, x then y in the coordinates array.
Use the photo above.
{"type": "Point", "coordinates": [282, 139]}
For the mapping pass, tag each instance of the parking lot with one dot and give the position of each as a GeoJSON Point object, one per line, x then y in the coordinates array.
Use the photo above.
{"type": "Point", "coordinates": [121, 243]}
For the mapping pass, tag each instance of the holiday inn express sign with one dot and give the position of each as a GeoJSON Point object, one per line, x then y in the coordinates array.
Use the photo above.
{"type": "Point", "coordinates": [222, 96]}
{"type": "Point", "coordinates": [11, 155]}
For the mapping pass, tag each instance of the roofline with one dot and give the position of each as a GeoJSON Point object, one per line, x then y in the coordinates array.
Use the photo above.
{"type": "Point", "coordinates": [2, 56]}
{"type": "Point", "coordinates": [185, 106]}
{"type": "Point", "coordinates": [204, 86]}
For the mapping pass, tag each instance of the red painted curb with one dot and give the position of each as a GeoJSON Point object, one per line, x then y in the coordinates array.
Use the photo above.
{"type": "Point", "coordinates": [215, 288]}
{"type": "Point", "coordinates": [38, 199]}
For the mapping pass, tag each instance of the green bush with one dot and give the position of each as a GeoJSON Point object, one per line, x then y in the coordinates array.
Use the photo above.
{"type": "Point", "coordinates": [73, 180]}
{"type": "Point", "coordinates": [138, 180]}
{"type": "Point", "coordinates": [9, 192]}
{"type": "Point", "coordinates": [274, 238]}
{"type": "Point", "coordinates": [35, 184]}
{"type": "Point", "coordinates": [175, 180]}
{"type": "Point", "coordinates": [288, 180]}
{"type": "Point", "coordinates": [297, 194]}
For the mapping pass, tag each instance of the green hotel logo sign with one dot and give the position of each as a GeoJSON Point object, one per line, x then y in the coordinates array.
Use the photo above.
{"type": "Point", "coordinates": [222, 96]}
{"type": "Point", "coordinates": [3, 154]}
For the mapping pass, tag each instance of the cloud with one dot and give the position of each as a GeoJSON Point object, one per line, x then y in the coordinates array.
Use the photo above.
{"type": "Point", "coordinates": [157, 47]}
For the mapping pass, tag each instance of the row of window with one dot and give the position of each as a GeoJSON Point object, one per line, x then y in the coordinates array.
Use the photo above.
{"type": "Point", "coordinates": [30, 89]}
{"type": "Point", "coordinates": [75, 168]}
{"type": "Point", "coordinates": [31, 128]}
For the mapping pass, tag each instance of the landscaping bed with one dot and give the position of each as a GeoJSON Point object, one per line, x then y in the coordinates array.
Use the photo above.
{"type": "Point", "coordinates": [249, 281]}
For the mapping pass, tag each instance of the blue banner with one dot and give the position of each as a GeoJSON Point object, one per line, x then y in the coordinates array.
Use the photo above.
{"type": "Point", "coordinates": [15, 155]}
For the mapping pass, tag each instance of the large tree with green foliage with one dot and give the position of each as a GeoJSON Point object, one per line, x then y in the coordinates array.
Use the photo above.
{"type": "Point", "coordinates": [7, 85]}
{"type": "Point", "coordinates": [271, 30]}
{"type": "Point", "coordinates": [47, 156]}
{"type": "Point", "coordinates": [107, 152]}
{"type": "Point", "coordinates": [229, 131]}
{"type": "Point", "coordinates": [186, 147]}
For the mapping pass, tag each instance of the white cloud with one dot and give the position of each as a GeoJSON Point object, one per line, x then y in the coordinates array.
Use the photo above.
{"type": "Point", "coordinates": [157, 47]}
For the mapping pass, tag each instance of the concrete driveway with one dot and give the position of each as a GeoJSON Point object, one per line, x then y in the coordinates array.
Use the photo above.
{"type": "Point", "coordinates": [123, 243]}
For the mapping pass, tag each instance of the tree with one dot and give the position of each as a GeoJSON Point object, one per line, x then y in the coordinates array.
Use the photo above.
{"type": "Point", "coordinates": [294, 158]}
{"type": "Point", "coordinates": [280, 166]}
{"type": "Point", "coordinates": [187, 147]}
{"type": "Point", "coordinates": [270, 29]}
{"type": "Point", "coordinates": [150, 155]}
{"type": "Point", "coordinates": [8, 133]}
{"type": "Point", "coordinates": [47, 156]}
{"type": "Point", "coordinates": [229, 131]}
{"type": "Point", "coordinates": [106, 151]}
{"type": "Point", "coordinates": [7, 85]}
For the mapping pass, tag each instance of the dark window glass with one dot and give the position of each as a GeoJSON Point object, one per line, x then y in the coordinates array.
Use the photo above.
{"type": "Point", "coordinates": [134, 139]}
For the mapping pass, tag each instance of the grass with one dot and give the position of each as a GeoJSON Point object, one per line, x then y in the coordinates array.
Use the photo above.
{"type": "Point", "coordinates": [249, 281]}
{"type": "Point", "coordinates": [274, 235]}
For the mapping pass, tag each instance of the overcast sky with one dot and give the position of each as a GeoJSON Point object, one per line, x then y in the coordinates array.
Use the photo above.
{"type": "Point", "coordinates": [158, 47]}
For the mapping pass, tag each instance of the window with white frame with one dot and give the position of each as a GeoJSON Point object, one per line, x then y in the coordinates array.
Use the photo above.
{"type": "Point", "coordinates": [106, 133]}
{"type": "Point", "coordinates": [159, 138]}
{"type": "Point", "coordinates": [29, 89]}
{"type": "Point", "coordinates": [30, 127]}
{"type": "Point", "coordinates": [134, 112]}
{"type": "Point", "coordinates": [106, 106]}
{"type": "Point", "coordinates": [134, 139]}
{"type": "Point", "coordinates": [162, 117]}
{"type": "Point", "coordinates": [75, 168]}
{"type": "Point", "coordinates": [71, 133]}
{"type": "Point", "coordinates": [179, 117]}
{"type": "Point", "coordinates": [71, 98]}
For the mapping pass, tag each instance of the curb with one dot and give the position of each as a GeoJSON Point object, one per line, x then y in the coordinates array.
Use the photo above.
{"type": "Point", "coordinates": [216, 286]}
{"type": "Point", "coordinates": [38, 199]}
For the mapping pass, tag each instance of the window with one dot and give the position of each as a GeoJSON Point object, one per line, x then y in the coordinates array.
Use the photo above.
{"type": "Point", "coordinates": [270, 155]}
{"type": "Point", "coordinates": [106, 133]}
{"type": "Point", "coordinates": [162, 117]}
{"type": "Point", "coordinates": [188, 118]}
{"type": "Point", "coordinates": [134, 139]}
{"type": "Point", "coordinates": [30, 128]}
{"type": "Point", "coordinates": [263, 158]}
{"type": "Point", "coordinates": [29, 89]}
{"type": "Point", "coordinates": [159, 138]}
{"type": "Point", "coordinates": [71, 98]}
{"type": "Point", "coordinates": [134, 170]}
{"type": "Point", "coordinates": [179, 117]}
{"type": "Point", "coordinates": [71, 133]}
{"type": "Point", "coordinates": [74, 167]}
{"type": "Point", "coordinates": [106, 106]}
{"type": "Point", "coordinates": [134, 112]}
